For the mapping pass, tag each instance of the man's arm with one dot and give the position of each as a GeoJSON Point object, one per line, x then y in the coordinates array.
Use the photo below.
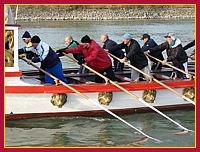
{"type": "Point", "coordinates": [117, 47]}
{"type": "Point", "coordinates": [189, 45]}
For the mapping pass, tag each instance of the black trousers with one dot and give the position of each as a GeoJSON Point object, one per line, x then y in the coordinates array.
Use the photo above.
{"type": "Point", "coordinates": [156, 66]}
{"type": "Point", "coordinates": [118, 65]}
{"type": "Point", "coordinates": [180, 74]}
{"type": "Point", "coordinates": [109, 74]}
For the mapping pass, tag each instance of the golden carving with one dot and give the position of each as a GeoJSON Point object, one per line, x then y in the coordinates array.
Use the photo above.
{"type": "Point", "coordinates": [9, 48]}
{"type": "Point", "coordinates": [149, 96]}
{"type": "Point", "coordinates": [105, 97]}
{"type": "Point", "coordinates": [189, 93]}
{"type": "Point", "coordinates": [59, 99]}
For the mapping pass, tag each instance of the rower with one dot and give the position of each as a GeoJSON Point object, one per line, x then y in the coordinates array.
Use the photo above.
{"type": "Point", "coordinates": [48, 57]}
{"type": "Point", "coordinates": [95, 56]}
{"type": "Point", "coordinates": [26, 37]}
{"type": "Point", "coordinates": [107, 44]}
{"type": "Point", "coordinates": [148, 44]}
{"type": "Point", "coordinates": [71, 43]}
{"type": "Point", "coordinates": [176, 54]}
{"type": "Point", "coordinates": [134, 54]}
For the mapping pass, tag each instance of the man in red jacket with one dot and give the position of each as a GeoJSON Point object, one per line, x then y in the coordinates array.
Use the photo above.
{"type": "Point", "coordinates": [95, 56]}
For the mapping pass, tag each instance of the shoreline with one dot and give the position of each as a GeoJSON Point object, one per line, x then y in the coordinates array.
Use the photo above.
{"type": "Point", "coordinates": [92, 12]}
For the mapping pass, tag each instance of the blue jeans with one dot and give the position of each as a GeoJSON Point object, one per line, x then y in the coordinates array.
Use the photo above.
{"type": "Point", "coordinates": [57, 72]}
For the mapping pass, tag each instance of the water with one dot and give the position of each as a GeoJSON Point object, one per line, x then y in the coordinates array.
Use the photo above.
{"type": "Point", "coordinates": [101, 131]}
{"type": "Point", "coordinates": [54, 32]}
{"type": "Point", "coordinates": [106, 130]}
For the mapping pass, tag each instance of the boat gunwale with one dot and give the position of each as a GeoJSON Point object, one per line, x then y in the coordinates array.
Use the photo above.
{"type": "Point", "coordinates": [97, 87]}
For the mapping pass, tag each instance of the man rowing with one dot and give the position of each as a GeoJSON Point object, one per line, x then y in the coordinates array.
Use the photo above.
{"type": "Point", "coordinates": [148, 44]}
{"type": "Point", "coordinates": [134, 54]}
{"type": "Point", "coordinates": [71, 43]}
{"type": "Point", "coordinates": [26, 37]}
{"type": "Point", "coordinates": [95, 56]}
{"type": "Point", "coordinates": [47, 56]}
{"type": "Point", "coordinates": [176, 54]}
{"type": "Point", "coordinates": [107, 44]}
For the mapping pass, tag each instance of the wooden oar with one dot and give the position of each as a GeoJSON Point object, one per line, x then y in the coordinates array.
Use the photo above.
{"type": "Point", "coordinates": [90, 100]}
{"type": "Point", "coordinates": [162, 84]}
{"type": "Point", "coordinates": [128, 92]}
{"type": "Point", "coordinates": [191, 76]}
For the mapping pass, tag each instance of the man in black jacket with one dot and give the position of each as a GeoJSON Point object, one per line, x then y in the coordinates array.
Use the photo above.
{"type": "Point", "coordinates": [148, 44]}
{"type": "Point", "coordinates": [176, 54]}
{"type": "Point", "coordinates": [108, 43]}
{"type": "Point", "coordinates": [134, 54]}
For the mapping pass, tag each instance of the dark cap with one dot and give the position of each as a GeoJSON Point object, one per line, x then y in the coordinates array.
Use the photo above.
{"type": "Point", "coordinates": [144, 36]}
{"type": "Point", "coordinates": [35, 39]}
{"type": "Point", "coordinates": [86, 39]}
{"type": "Point", "coordinates": [26, 35]}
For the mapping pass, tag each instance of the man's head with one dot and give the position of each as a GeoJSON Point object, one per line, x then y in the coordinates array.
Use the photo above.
{"type": "Point", "coordinates": [68, 40]}
{"type": "Point", "coordinates": [104, 38]}
{"type": "Point", "coordinates": [35, 41]}
{"type": "Point", "coordinates": [85, 41]}
{"type": "Point", "coordinates": [127, 38]}
{"type": "Point", "coordinates": [145, 37]}
{"type": "Point", "coordinates": [170, 38]}
{"type": "Point", "coordinates": [26, 37]}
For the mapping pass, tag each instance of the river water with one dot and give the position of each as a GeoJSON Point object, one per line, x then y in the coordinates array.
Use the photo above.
{"type": "Point", "coordinates": [102, 131]}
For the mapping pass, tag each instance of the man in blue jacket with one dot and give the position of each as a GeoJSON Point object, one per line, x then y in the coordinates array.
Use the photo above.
{"type": "Point", "coordinates": [148, 44]}
{"type": "Point", "coordinates": [108, 43]}
{"type": "Point", "coordinates": [48, 57]}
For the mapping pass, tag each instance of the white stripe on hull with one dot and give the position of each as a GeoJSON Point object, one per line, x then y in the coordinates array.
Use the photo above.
{"type": "Point", "coordinates": [40, 103]}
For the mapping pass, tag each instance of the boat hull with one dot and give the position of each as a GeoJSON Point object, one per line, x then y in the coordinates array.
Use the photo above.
{"type": "Point", "coordinates": [20, 105]}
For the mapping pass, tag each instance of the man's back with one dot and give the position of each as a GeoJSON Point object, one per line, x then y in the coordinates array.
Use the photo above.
{"type": "Point", "coordinates": [151, 44]}
{"type": "Point", "coordinates": [109, 44]}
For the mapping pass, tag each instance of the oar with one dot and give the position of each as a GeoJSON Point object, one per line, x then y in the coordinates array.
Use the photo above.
{"type": "Point", "coordinates": [128, 92]}
{"type": "Point", "coordinates": [162, 84]}
{"type": "Point", "coordinates": [191, 76]}
{"type": "Point", "coordinates": [90, 100]}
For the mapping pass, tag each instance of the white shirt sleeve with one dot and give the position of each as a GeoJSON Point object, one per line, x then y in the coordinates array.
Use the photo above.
{"type": "Point", "coordinates": [42, 50]}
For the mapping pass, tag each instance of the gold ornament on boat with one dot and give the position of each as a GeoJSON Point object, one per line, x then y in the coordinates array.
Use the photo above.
{"type": "Point", "coordinates": [9, 48]}
{"type": "Point", "coordinates": [149, 96]}
{"type": "Point", "coordinates": [189, 93]}
{"type": "Point", "coordinates": [9, 59]}
{"type": "Point", "coordinates": [105, 97]}
{"type": "Point", "coordinates": [59, 99]}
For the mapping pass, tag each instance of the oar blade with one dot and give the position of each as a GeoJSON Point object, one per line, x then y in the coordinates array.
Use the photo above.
{"type": "Point", "coordinates": [181, 132]}
{"type": "Point", "coordinates": [140, 141]}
